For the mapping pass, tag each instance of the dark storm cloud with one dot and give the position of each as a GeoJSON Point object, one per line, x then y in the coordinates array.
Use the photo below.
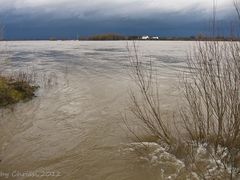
{"type": "Point", "coordinates": [67, 18]}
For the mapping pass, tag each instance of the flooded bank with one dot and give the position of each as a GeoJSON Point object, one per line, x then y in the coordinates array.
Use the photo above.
{"type": "Point", "coordinates": [75, 129]}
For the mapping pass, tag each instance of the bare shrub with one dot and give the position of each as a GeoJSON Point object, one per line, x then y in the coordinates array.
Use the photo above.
{"type": "Point", "coordinates": [145, 104]}
{"type": "Point", "coordinates": [212, 92]}
{"type": "Point", "coordinates": [211, 115]}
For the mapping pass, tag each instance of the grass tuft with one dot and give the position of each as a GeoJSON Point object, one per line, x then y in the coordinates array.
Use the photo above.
{"type": "Point", "coordinates": [14, 90]}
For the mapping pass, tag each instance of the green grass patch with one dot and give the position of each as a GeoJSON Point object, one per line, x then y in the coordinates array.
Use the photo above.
{"type": "Point", "coordinates": [13, 91]}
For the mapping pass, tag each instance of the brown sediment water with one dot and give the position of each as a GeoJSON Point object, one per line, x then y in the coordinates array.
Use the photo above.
{"type": "Point", "coordinates": [75, 129]}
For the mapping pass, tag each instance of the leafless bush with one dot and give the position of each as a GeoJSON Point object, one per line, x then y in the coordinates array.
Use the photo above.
{"type": "Point", "coordinates": [145, 104]}
{"type": "Point", "coordinates": [211, 116]}
{"type": "Point", "coordinates": [212, 92]}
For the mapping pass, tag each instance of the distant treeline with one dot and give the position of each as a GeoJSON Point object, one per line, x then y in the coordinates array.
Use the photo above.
{"type": "Point", "coordinates": [104, 37]}
{"type": "Point", "coordinates": [115, 37]}
{"type": "Point", "coordinates": [110, 37]}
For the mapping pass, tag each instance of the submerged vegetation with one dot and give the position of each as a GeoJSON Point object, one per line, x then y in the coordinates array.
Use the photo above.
{"type": "Point", "coordinates": [209, 120]}
{"type": "Point", "coordinates": [208, 132]}
{"type": "Point", "coordinates": [15, 89]}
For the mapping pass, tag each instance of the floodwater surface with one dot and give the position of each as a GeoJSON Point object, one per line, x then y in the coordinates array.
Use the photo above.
{"type": "Point", "coordinates": [75, 129]}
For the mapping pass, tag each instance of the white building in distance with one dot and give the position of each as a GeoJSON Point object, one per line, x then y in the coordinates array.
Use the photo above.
{"type": "Point", "coordinates": [155, 38]}
{"type": "Point", "coordinates": [145, 37]}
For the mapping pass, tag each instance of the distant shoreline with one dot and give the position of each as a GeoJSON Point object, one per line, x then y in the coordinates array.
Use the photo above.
{"type": "Point", "coordinates": [119, 37]}
{"type": "Point", "coordinates": [15, 40]}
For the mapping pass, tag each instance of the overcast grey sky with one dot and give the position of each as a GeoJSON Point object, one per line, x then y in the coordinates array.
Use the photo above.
{"type": "Point", "coordinates": [25, 13]}
{"type": "Point", "coordinates": [108, 8]}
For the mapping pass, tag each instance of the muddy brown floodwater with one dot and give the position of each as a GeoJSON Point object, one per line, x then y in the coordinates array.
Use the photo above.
{"type": "Point", "coordinates": [74, 130]}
